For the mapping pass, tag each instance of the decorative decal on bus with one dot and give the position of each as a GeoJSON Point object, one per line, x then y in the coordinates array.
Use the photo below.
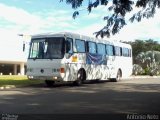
{"type": "Point", "coordinates": [69, 57]}
{"type": "Point", "coordinates": [96, 59]}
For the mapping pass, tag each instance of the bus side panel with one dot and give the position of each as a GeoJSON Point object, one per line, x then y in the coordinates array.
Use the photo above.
{"type": "Point", "coordinates": [97, 67]}
{"type": "Point", "coordinates": [72, 66]}
{"type": "Point", "coordinates": [93, 71]}
{"type": "Point", "coordinates": [122, 63]}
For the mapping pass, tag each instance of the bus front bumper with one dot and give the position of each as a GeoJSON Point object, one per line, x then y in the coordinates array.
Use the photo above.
{"type": "Point", "coordinates": [54, 78]}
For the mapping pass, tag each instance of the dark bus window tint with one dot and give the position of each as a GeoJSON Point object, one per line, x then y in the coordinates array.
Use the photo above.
{"type": "Point", "coordinates": [69, 45]}
{"type": "Point", "coordinates": [101, 49]}
{"type": "Point", "coordinates": [80, 45]}
{"type": "Point", "coordinates": [120, 51]}
{"type": "Point", "coordinates": [91, 47]}
{"type": "Point", "coordinates": [110, 50]}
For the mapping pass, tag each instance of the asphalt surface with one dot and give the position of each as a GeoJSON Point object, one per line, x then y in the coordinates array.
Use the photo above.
{"type": "Point", "coordinates": [128, 96]}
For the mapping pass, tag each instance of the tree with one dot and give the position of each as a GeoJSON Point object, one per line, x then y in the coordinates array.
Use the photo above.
{"type": "Point", "coordinates": [149, 61]}
{"type": "Point", "coordinates": [117, 20]}
{"type": "Point", "coordinates": [139, 46]}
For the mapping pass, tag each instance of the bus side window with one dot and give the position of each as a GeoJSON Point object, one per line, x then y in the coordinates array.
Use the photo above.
{"type": "Point", "coordinates": [80, 46]}
{"type": "Point", "coordinates": [91, 47]}
{"type": "Point", "coordinates": [101, 49]}
{"type": "Point", "coordinates": [113, 50]}
{"type": "Point", "coordinates": [110, 50]}
{"type": "Point", "coordinates": [126, 52]}
{"type": "Point", "coordinates": [130, 52]}
{"type": "Point", "coordinates": [121, 51]}
{"type": "Point", "coordinates": [117, 51]}
{"type": "Point", "coordinates": [69, 45]}
{"type": "Point", "coordinates": [87, 46]}
{"type": "Point", "coordinates": [107, 49]}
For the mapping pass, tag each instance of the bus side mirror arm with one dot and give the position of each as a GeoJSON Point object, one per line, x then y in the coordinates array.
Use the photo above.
{"type": "Point", "coordinates": [24, 46]}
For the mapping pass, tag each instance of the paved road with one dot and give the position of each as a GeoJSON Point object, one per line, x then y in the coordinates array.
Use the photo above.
{"type": "Point", "coordinates": [127, 96]}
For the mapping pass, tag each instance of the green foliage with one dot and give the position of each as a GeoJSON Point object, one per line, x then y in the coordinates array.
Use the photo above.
{"type": "Point", "coordinates": [150, 62]}
{"type": "Point", "coordinates": [118, 9]}
{"type": "Point", "coordinates": [139, 46]}
{"type": "Point", "coordinates": [137, 69]}
{"type": "Point", "coordinates": [146, 54]}
{"type": "Point", "coordinates": [146, 71]}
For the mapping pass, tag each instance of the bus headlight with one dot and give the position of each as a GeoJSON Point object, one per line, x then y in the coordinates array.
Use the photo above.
{"type": "Point", "coordinates": [30, 77]}
{"type": "Point", "coordinates": [55, 78]}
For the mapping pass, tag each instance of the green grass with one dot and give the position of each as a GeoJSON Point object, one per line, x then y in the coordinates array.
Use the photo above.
{"type": "Point", "coordinates": [17, 81]}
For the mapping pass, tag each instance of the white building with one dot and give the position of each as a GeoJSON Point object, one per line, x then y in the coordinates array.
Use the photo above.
{"type": "Point", "coordinates": [12, 57]}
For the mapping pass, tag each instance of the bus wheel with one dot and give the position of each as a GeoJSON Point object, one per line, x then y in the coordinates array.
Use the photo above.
{"type": "Point", "coordinates": [49, 83]}
{"type": "Point", "coordinates": [80, 78]}
{"type": "Point", "coordinates": [118, 77]}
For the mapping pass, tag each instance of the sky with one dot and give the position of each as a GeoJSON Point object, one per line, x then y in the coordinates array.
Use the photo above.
{"type": "Point", "coordinates": [40, 16]}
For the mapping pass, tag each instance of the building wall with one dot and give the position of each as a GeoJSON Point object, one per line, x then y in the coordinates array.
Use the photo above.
{"type": "Point", "coordinates": [12, 57]}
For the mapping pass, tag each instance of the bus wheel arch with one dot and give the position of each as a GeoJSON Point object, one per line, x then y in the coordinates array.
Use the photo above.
{"type": "Point", "coordinates": [81, 77]}
{"type": "Point", "coordinates": [118, 76]}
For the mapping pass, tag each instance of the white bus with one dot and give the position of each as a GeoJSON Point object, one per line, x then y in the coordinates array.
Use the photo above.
{"type": "Point", "coordinates": [68, 57]}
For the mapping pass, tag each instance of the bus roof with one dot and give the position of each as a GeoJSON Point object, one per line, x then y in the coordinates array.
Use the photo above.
{"type": "Point", "coordinates": [78, 36]}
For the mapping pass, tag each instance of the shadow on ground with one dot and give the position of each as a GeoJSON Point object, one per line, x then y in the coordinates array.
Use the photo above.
{"type": "Point", "coordinates": [90, 98]}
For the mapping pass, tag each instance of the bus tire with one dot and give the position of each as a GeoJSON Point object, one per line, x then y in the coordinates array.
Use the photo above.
{"type": "Point", "coordinates": [80, 78]}
{"type": "Point", "coordinates": [49, 83]}
{"type": "Point", "coordinates": [118, 77]}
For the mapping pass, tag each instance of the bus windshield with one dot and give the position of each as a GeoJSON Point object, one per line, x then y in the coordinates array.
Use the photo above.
{"type": "Point", "coordinates": [47, 48]}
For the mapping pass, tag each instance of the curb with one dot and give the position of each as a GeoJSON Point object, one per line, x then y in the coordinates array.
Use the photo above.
{"type": "Point", "coordinates": [131, 77]}
{"type": "Point", "coordinates": [7, 87]}
{"type": "Point", "coordinates": [137, 77]}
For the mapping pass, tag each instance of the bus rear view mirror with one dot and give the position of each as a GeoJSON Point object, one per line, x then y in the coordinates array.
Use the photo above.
{"type": "Point", "coordinates": [24, 46]}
